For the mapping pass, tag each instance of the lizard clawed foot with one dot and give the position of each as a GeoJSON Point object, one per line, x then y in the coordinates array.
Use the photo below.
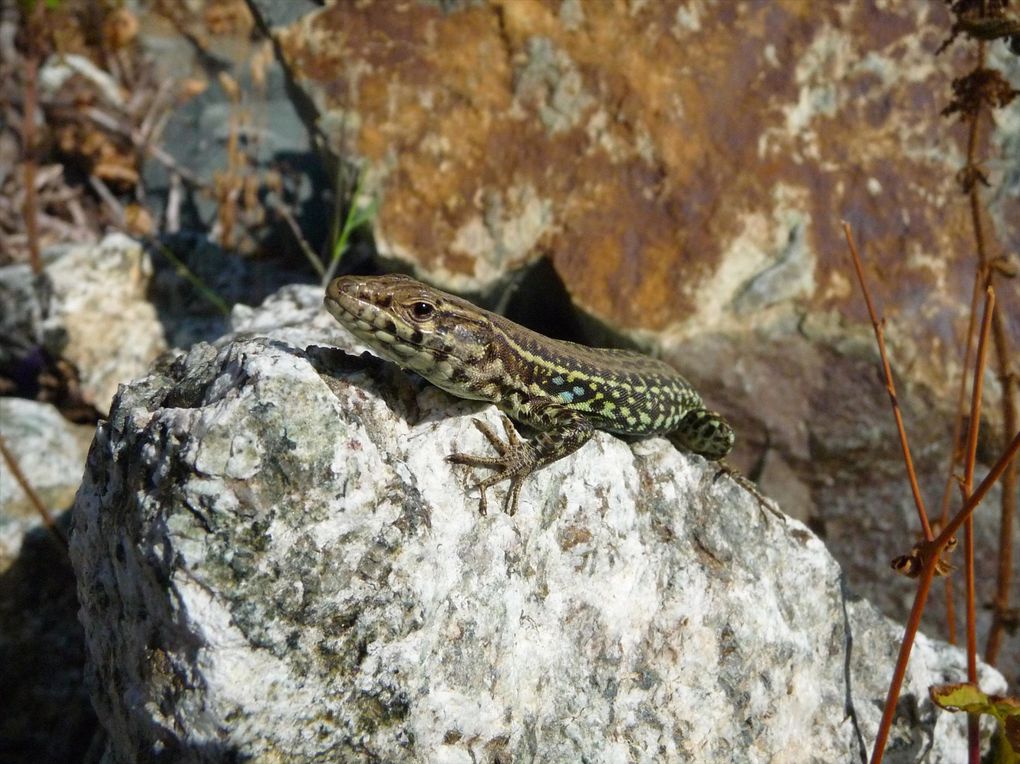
{"type": "Point", "coordinates": [515, 462]}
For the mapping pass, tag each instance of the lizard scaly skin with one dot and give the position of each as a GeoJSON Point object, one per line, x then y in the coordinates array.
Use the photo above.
{"type": "Point", "coordinates": [562, 390]}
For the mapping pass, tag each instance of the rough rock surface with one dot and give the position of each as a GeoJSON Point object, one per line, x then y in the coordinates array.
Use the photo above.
{"type": "Point", "coordinates": [51, 454]}
{"type": "Point", "coordinates": [97, 315]}
{"type": "Point", "coordinates": [684, 168]}
{"type": "Point", "coordinates": [274, 561]}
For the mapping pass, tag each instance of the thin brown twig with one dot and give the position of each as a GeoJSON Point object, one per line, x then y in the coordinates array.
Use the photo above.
{"type": "Point", "coordinates": [1008, 379]}
{"type": "Point", "coordinates": [977, 388]}
{"type": "Point", "coordinates": [970, 458]}
{"type": "Point", "coordinates": [1004, 573]}
{"type": "Point", "coordinates": [33, 497]}
{"type": "Point", "coordinates": [31, 207]}
{"type": "Point", "coordinates": [1011, 423]}
{"type": "Point", "coordinates": [961, 399]}
{"type": "Point", "coordinates": [284, 212]}
{"type": "Point", "coordinates": [998, 469]}
{"type": "Point", "coordinates": [954, 451]}
{"type": "Point", "coordinates": [889, 385]}
{"type": "Point", "coordinates": [924, 585]}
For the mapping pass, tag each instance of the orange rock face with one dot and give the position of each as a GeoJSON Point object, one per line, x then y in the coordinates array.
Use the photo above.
{"type": "Point", "coordinates": [666, 157]}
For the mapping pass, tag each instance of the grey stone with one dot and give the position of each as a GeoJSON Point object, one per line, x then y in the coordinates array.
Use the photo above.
{"type": "Point", "coordinates": [275, 562]}
{"type": "Point", "coordinates": [98, 316]}
{"type": "Point", "coordinates": [199, 135]}
{"type": "Point", "coordinates": [51, 454]}
{"type": "Point", "coordinates": [272, 13]}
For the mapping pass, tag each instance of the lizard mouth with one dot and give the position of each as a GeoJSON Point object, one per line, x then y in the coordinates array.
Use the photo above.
{"type": "Point", "coordinates": [349, 307]}
{"type": "Point", "coordinates": [365, 312]}
{"type": "Point", "coordinates": [368, 313]}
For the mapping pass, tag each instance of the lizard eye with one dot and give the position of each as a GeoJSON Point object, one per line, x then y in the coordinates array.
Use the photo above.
{"type": "Point", "coordinates": [422, 310]}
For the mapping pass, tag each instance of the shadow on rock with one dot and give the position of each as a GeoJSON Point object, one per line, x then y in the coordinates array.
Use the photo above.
{"type": "Point", "coordinates": [45, 712]}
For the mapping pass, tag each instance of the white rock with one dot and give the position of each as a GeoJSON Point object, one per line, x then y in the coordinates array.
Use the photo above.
{"type": "Point", "coordinates": [99, 318]}
{"type": "Point", "coordinates": [275, 562]}
{"type": "Point", "coordinates": [51, 455]}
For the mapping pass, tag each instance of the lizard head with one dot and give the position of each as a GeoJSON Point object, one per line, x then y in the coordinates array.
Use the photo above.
{"type": "Point", "coordinates": [412, 324]}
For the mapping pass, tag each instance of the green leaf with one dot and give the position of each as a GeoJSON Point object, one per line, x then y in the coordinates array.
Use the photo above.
{"type": "Point", "coordinates": [960, 697]}
{"type": "Point", "coordinates": [361, 211]}
{"type": "Point", "coordinates": [1006, 710]}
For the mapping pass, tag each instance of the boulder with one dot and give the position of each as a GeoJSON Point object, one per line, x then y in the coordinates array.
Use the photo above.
{"type": "Point", "coordinates": [276, 563]}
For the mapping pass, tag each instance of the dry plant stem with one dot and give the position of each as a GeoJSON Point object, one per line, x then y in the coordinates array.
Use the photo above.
{"type": "Point", "coordinates": [973, 731]}
{"type": "Point", "coordinates": [906, 644]}
{"type": "Point", "coordinates": [1007, 519]}
{"type": "Point", "coordinates": [1011, 423]}
{"type": "Point", "coordinates": [106, 195]}
{"type": "Point", "coordinates": [889, 386]}
{"type": "Point", "coordinates": [31, 206]}
{"type": "Point", "coordinates": [977, 388]}
{"type": "Point", "coordinates": [295, 229]}
{"type": "Point", "coordinates": [961, 399]}
{"type": "Point", "coordinates": [997, 470]}
{"type": "Point", "coordinates": [1010, 417]}
{"type": "Point", "coordinates": [33, 497]}
{"type": "Point", "coordinates": [924, 586]}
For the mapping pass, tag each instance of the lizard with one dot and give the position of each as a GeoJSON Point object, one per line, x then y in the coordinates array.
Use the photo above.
{"type": "Point", "coordinates": [562, 390]}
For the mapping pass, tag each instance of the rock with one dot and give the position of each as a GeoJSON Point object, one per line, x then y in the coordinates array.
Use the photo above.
{"type": "Point", "coordinates": [276, 12]}
{"type": "Point", "coordinates": [206, 137]}
{"type": "Point", "coordinates": [98, 316]}
{"type": "Point", "coordinates": [109, 311]}
{"type": "Point", "coordinates": [190, 314]}
{"type": "Point", "coordinates": [51, 453]}
{"type": "Point", "coordinates": [275, 563]}
{"type": "Point", "coordinates": [20, 317]}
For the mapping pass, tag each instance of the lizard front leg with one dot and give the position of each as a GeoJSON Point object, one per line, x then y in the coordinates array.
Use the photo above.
{"type": "Point", "coordinates": [704, 432]}
{"type": "Point", "coordinates": [561, 432]}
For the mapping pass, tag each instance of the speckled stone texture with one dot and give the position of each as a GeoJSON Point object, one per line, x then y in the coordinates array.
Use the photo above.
{"type": "Point", "coordinates": [98, 316]}
{"type": "Point", "coordinates": [275, 563]}
{"type": "Point", "coordinates": [51, 454]}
